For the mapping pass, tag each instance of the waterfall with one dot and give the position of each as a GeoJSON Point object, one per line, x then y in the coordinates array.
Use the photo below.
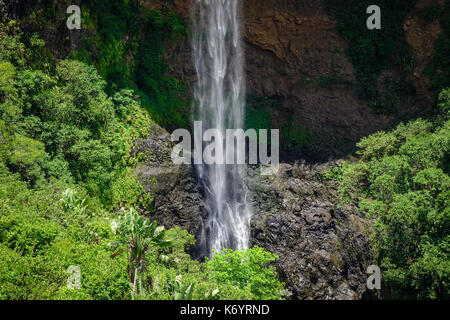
{"type": "Point", "coordinates": [219, 101]}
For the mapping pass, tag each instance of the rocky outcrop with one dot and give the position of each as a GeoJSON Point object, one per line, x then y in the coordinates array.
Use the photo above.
{"type": "Point", "coordinates": [323, 248]}
{"type": "Point", "coordinates": [16, 8]}
{"type": "Point", "coordinates": [177, 197]}
{"type": "Point", "coordinates": [421, 38]}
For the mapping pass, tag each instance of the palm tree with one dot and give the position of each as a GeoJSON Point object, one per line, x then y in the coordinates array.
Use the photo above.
{"type": "Point", "coordinates": [140, 235]}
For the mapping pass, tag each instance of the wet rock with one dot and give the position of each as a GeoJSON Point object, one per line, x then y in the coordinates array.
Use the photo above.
{"type": "Point", "coordinates": [316, 215]}
{"type": "Point", "coordinates": [322, 248]}
{"type": "Point", "coordinates": [174, 188]}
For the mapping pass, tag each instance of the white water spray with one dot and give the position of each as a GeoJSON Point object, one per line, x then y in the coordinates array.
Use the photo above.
{"type": "Point", "coordinates": [219, 100]}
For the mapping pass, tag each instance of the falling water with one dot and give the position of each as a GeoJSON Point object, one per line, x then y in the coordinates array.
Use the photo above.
{"type": "Point", "coordinates": [219, 103]}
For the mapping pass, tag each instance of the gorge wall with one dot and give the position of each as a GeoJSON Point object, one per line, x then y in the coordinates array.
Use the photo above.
{"type": "Point", "coordinates": [296, 58]}
{"type": "Point", "coordinates": [298, 69]}
{"type": "Point", "coordinates": [323, 247]}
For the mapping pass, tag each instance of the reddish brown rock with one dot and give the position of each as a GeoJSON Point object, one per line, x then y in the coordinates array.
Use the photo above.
{"type": "Point", "coordinates": [295, 55]}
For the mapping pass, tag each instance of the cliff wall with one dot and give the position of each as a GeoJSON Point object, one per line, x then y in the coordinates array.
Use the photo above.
{"type": "Point", "coordinates": [296, 57]}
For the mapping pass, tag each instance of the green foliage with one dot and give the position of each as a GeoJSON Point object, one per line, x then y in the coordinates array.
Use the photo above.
{"type": "Point", "coordinates": [126, 192]}
{"type": "Point", "coordinates": [444, 104]}
{"type": "Point", "coordinates": [23, 50]}
{"type": "Point", "coordinates": [372, 51]}
{"type": "Point", "coordinates": [27, 157]}
{"type": "Point", "coordinates": [7, 71]}
{"type": "Point", "coordinates": [257, 112]}
{"type": "Point", "coordinates": [45, 231]}
{"type": "Point", "coordinates": [247, 269]}
{"type": "Point", "coordinates": [57, 130]}
{"type": "Point", "coordinates": [182, 291]}
{"type": "Point", "coordinates": [66, 168]}
{"type": "Point", "coordinates": [171, 274]}
{"type": "Point", "coordinates": [11, 47]}
{"type": "Point", "coordinates": [296, 136]}
{"type": "Point", "coordinates": [335, 172]}
{"type": "Point", "coordinates": [140, 236]}
{"type": "Point", "coordinates": [128, 50]}
{"type": "Point", "coordinates": [402, 181]}
{"type": "Point", "coordinates": [256, 118]}
{"type": "Point", "coordinates": [68, 122]}
{"type": "Point", "coordinates": [164, 93]}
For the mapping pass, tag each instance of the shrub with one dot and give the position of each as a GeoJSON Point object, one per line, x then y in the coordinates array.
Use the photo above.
{"type": "Point", "coordinates": [402, 182]}
{"type": "Point", "coordinates": [247, 268]}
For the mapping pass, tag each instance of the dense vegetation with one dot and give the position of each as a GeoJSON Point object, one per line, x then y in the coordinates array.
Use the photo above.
{"type": "Point", "coordinates": [68, 192]}
{"type": "Point", "coordinates": [372, 51]}
{"type": "Point", "coordinates": [402, 182]}
{"type": "Point", "coordinates": [402, 179]}
{"type": "Point", "coordinates": [128, 50]}
{"type": "Point", "coordinates": [69, 197]}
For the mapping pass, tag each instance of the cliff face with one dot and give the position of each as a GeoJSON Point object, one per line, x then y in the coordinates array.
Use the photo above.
{"type": "Point", "coordinates": [291, 47]}
{"type": "Point", "coordinates": [421, 38]}
{"type": "Point", "coordinates": [295, 56]}
{"type": "Point", "coordinates": [16, 8]}
{"type": "Point", "coordinates": [323, 248]}
{"type": "Point", "coordinates": [178, 199]}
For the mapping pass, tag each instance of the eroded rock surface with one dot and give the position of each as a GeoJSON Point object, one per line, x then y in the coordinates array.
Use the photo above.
{"type": "Point", "coordinates": [323, 248]}
{"type": "Point", "coordinates": [174, 188]}
{"type": "Point", "coordinates": [295, 55]}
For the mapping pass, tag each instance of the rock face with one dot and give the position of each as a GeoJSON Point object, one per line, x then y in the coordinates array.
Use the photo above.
{"type": "Point", "coordinates": [421, 37]}
{"type": "Point", "coordinates": [323, 249]}
{"type": "Point", "coordinates": [16, 8]}
{"type": "Point", "coordinates": [174, 188]}
{"type": "Point", "coordinates": [295, 55]}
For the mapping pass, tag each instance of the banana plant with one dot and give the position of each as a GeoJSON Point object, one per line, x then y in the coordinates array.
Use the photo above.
{"type": "Point", "coordinates": [182, 292]}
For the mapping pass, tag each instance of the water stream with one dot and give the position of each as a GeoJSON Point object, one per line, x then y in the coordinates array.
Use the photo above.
{"type": "Point", "coordinates": [219, 100]}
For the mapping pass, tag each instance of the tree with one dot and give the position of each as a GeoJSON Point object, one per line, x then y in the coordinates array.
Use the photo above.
{"type": "Point", "coordinates": [247, 268]}
{"type": "Point", "coordinates": [140, 235]}
{"type": "Point", "coordinates": [402, 182]}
